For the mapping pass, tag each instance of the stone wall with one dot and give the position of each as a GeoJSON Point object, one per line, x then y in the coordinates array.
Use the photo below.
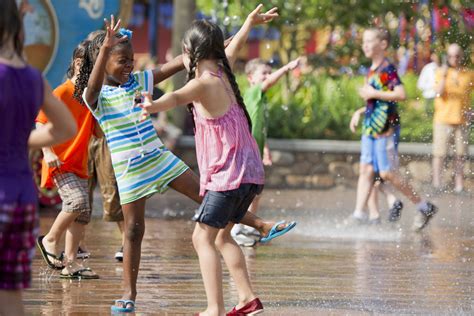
{"type": "Point", "coordinates": [321, 164]}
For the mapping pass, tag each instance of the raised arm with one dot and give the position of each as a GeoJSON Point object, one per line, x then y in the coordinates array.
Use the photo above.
{"type": "Point", "coordinates": [276, 75]}
{"type": "Point", "coordinates": [187, 94]}
{"type": "Point", "coordinates": [97, 76]}
{"type": "Point", "coordinates": [165, 71]}
{"type": "Point", "coordinates": [254, 18]}
{"type": "Point", "coordinates": [60, 127]}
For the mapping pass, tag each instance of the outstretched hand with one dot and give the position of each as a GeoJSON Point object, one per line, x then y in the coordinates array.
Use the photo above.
{"type": "Point", "coordinates": [147, 102]}
{"type": "Point", "coordinates": [111, 29]}
{"type": "Point", "coordinates": [255, 17]}
{"type": "Point", "coordinates": [294, 63]}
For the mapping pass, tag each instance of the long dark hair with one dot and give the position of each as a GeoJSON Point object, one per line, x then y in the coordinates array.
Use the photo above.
{"type": "Point", "coordinates": [78, 52]}
{"type": "Point", "coordinates": [11, 26]}
{"type": "Point", "coordinates": [92, 48]}
{"type": "Point", "coordinates": [205, 40]}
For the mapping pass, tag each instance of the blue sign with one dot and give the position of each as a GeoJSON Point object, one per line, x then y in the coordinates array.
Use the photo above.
{"type": "Point", "coordinates": [53, 28]}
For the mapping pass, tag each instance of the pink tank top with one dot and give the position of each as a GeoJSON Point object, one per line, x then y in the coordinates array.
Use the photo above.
{"type": "Point", "coordinates": [226, 151]}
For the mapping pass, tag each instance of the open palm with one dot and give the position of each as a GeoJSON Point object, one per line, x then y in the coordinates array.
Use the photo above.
{"type": "Point", "coordinates": [260, 18]}
{"type": "Point", "coordinates": [111, 30]}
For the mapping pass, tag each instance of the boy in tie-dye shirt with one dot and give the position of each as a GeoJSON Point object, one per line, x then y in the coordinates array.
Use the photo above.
{"type": "Point", "coordinates": [379, 153]}
{"type": "Point", "coordinates": [381, 115]}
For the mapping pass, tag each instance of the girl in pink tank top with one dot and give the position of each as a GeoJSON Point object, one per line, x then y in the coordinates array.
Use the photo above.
{"type": "Point", "coordinates": [231, 171]}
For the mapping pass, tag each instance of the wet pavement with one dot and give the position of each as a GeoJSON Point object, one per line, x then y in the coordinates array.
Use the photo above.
{"type": "Point", "coordinates": [323, 267]}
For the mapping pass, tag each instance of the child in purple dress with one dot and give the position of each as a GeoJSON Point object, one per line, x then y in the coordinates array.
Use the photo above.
{"type": "Point", "coordinates": [18, 197]}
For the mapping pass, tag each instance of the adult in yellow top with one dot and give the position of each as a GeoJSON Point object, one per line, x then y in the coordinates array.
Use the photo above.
{"type": "Point", "coordinates": [452, 116]}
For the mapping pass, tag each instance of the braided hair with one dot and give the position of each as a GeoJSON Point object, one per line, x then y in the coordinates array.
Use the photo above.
{"type": "Point", "coordinates": [205, 40]}
{"type": "Point", "coordinates": [92, 47]}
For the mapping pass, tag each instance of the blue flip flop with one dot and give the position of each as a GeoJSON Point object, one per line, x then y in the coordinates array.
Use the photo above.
{"type": "Point", "coordinates": [274, 232]}
{"type": "Point", "coordinates": [124, 309]}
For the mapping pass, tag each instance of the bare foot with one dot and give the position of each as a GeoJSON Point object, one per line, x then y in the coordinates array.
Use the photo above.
{"type": "Point", "coordinates": [73, 267]}
{"type": "Point", "coordinates": [51, 247]}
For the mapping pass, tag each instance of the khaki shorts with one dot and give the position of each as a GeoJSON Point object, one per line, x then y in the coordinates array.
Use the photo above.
{"type": "Point", "coordinates": [74, 193]}
{"type": "Point", "coordinates": [448, 137]}
{"type": "Point", "coordinates": [102, 172]}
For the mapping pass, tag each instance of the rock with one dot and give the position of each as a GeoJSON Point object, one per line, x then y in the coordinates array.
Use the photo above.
{"type": "Point", "coordinates": [282, 171]}
{"type": "Point", "coordinates": [296, 181]}
{"type": "Point", "coordinates": [314, 158]}
{"type": "Point", "coordinates": [319, 168]}
{"type": "Point", "coordinates": [301, 157]}
{"type": "Point", "coordinates": [274, 180]}
{"type": "Point", "coordinates": [328, 158]}
{"type": "Point", "coordinates": [322, 182]}
{"type": "Point", "coordinates": [281, 158]}
{"type": "Point", "coordinates": [302, 168]}
{"type": "Point", "coordinates": [341, 169]}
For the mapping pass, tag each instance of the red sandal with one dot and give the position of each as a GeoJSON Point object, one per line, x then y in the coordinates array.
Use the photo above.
{"type": "Point", "coordinates": [253, 307]}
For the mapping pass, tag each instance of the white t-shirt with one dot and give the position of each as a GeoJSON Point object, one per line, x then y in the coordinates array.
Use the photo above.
{"type": "Point", "coordinates": [426, 81]}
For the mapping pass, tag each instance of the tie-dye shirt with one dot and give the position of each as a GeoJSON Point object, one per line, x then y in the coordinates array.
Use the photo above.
{"type": "Point", "coordinates": [381, 115]}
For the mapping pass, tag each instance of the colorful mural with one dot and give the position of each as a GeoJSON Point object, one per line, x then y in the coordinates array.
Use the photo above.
{"type": "Point", "coordinates": [53, 28]}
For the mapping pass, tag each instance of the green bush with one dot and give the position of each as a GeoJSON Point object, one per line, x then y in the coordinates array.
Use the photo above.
{"type": "Point", "coordinates": [321, 108]}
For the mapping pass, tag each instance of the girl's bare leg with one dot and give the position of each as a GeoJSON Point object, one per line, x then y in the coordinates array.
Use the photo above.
{"type": "Point", "coordinates": [235, 261]}
{"type": "Point", "coordinates": [134, 225]}
{"type": "Point", "coordinates": [204, 238]}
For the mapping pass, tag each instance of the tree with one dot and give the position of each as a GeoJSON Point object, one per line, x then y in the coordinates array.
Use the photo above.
{"type": "Point", "coordinates": [183, 15]}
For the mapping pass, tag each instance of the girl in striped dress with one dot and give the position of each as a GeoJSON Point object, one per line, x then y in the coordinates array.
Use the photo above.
{"type": "Point", "coordinates": [231, 170]}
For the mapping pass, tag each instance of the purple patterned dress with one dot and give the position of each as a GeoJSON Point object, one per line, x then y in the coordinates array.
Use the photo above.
{"type": "Point", "coordinates": [21, 95]}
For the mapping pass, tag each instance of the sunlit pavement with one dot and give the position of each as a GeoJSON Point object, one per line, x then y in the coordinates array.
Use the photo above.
{"type": "Point", "coordinates": [324, 266]}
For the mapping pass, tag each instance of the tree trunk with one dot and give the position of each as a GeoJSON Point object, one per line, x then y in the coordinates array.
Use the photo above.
{"type": "Point", "coordinates": [184, 12]}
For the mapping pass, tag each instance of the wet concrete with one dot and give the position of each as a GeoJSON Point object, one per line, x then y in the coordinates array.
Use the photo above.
{"type": "Point", "coordinates": [323, 267]}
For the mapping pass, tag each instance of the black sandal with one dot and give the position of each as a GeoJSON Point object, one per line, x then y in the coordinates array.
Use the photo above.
{"type": "Point", "coordinates": [45, 254]}
{"type": "Point", "coordinates": [79, 274]}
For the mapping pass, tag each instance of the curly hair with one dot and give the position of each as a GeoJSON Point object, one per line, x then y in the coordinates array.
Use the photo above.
{"type": "Point", "coordinates": [78, 53]}
{"type": "Point", "coordinates": [205, 40]}
{"type": "Point", "coordinates": [92, 47]}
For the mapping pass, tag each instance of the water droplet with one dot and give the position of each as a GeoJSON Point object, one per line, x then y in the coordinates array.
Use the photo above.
{"type": "Point", "coordinates": [226, 21]}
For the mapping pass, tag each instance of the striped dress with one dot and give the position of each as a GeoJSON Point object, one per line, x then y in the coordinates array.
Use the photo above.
{"type": "Point", "coordinates": [142, 165]}
{"type": "Point", "coordinates": [226, 151]}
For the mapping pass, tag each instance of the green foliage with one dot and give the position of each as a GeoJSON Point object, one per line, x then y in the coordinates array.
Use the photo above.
{"type": "Point", "coordinates": [321, 108]}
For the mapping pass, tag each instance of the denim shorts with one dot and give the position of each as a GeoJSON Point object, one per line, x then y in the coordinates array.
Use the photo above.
{"type": "Point", "coordinates": [219, 208]}
{"type": "Point", "coordinates": [380, 152]}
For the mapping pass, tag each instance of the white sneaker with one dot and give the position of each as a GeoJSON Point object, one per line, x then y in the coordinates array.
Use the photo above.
{"type": "Point", "coordinates": [244, 241]}
{"type": "Point", "coordinates": [237, 229]}
{"type": "Point", "coordinates": [119, 255]}
{"type": "Point", "coordinates": [251, 232]}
